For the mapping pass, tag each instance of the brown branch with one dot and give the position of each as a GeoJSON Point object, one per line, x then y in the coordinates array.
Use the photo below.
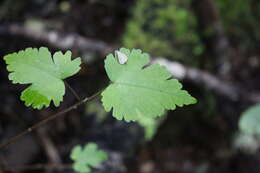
{"type": "Point", "coordinates": [44, 121]}
{"type": "Point", "coordinates": [49, 147]}
{"type": "Point", "coordinates": [38, 167]}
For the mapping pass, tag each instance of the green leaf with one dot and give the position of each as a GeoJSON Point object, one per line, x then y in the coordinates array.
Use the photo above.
{"type": "Point", "coordinates": [44, 73]}
{"type": "Point", "coordinates": [138, 91]}
{"type": "Point", "coordinates": [150, 126]}
{"type": "Point", "coordinates": [249, 122]}
{"type": "Point", "coordinates": [87, 157]}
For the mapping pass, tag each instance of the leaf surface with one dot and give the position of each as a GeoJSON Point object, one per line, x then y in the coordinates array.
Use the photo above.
{"type": "Point", "coordinates": [138, 91]}
{"type": "Point", "coordinates": [87, 157]}
{"type": "Point", "coordinates": [44, 73]}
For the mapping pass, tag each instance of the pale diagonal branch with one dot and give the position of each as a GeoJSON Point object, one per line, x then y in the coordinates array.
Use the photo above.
{"type": "Point", "coordinates": [57, 39]}
{"type": "Point", "coordinates": [74, 41]}
{"type": "Point", "coordinates": [204, 79]}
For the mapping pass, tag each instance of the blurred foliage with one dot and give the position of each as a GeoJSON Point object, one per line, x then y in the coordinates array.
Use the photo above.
{"type": "Point", "coordinates": [87, 157]}
{"type": "Point", "coordinates": [246, 142]}
{"type": "Point", "coordinates": [248, 137]}
{"type": "Point", "coordinates": [164, 28]}
{"type": "Point", "coordinates": [241, 21]}
{"type": "Point", "coordinates": [250, 121]}
{"type": "Point", "coordinates": [96, 108]}
{"type": "Point", "coordinates": [150, 126]}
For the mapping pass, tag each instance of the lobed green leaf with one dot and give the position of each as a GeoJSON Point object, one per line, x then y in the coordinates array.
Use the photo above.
{"type": "Point", "coordinates": [87, 157]}
{"type": "Point", "coordinates": [139, 90]}
{"type": "Point", "coordinates": [44, 74]}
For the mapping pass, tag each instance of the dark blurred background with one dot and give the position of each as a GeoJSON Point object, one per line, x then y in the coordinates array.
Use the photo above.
{"type": "Point", "coordinates": [215, 44]}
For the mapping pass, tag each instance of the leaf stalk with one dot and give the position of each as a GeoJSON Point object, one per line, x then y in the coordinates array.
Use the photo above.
{"type": "Point", "coordinates": [46, 120]}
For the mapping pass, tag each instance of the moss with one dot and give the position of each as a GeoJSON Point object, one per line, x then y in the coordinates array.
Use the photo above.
{"type": "Point", "coordinates": [241, 21]}
{"type": "Point", "coordinates": [164, 28]}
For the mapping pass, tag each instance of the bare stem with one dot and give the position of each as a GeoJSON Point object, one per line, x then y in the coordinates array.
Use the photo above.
{"type": "Point", "coordinates": [72, 91]}
{"type": "Point", "coordinates": [46, 120]}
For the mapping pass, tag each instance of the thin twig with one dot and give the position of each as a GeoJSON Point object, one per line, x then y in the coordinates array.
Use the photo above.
{"type": "Point", "coordinates": [38, 167]}
{"type": "Point", "coordinates": [48, 145]}
{"type": "Point", "coordinates": [72, 91]}
{"type": "Point", "coordinates": [46, 120]}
